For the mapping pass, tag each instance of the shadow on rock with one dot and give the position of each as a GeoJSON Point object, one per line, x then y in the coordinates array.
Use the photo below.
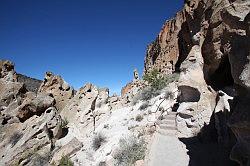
{"type": "Point", "coordinates": [65, 131]}
{"type": "Point", "coordinates": [204, 149]}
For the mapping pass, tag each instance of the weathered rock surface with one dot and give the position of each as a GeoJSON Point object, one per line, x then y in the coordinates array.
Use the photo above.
{"type": "Point", "coordinates": [60, 89]}
{"type": "Point", "coordinates": [7, 71]}
{"type": "Point", "coordinates": [208, 42]}
{"type": "Point", "coordinates": [30, 125]}
{"type": "Point", "coordinates": [31, 84]}
{"type": "Point", "coordinates": [34, 105]}
{"type": "Point", "coordinates": [22, 141]}
{"type": "Point", "coordinates": [67, 150]}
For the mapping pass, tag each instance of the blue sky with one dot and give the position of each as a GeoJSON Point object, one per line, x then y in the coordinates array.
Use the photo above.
{"type": "Point", "coordinates": [82, 40]}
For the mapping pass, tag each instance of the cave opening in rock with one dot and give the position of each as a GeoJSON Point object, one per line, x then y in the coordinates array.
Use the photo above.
{"type": "Point", "coordinates": [222, 77]}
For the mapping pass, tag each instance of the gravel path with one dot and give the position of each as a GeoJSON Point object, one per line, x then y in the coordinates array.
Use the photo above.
{"type": "Point", "coordinates": [167, 151]}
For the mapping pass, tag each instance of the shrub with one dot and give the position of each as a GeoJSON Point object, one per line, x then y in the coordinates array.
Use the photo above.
{"type": "Point", "coordinates": [130, 150]}
{"type": "Point", "coordinates": [144, 106]}
{"type": "Point", "coordinates": [172, 77]}
{"type": "Point", "coordinates": [65, 161]}
{"type": "Point", "coordinates": [98, 140]}
{"type": "Point", "coordinates": [155, 79]}
{"type": "Point", "coordinates": [148, 93]}
{"type": "Point", "coordinates": [65, 123]}
{"type": "Point", "coordinates": [158, 81]}
{"type": "Point", "coordinates": [139, 118]}
{"type": "Point", "coordinates": [15, 138]}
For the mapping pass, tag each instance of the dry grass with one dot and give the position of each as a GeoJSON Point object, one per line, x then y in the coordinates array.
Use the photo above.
{"type": "Point", "coordinates": [130, 150]}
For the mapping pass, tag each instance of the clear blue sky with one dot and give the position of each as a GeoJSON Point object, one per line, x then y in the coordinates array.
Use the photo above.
{"type": "Point", "coordinates": [98, 41]}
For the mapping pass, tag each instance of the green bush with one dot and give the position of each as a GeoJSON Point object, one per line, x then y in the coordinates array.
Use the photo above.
{"type": "Point", "coordinates": [155, 79]}
{"type": "Point", "coordinates": [130, 150]}
{"type": "Point", "coordinates": [65, 161]}
{"type": "Point", "coordinates": [158, 81]}
{"type": "Point", "coordinates": [98, 140]}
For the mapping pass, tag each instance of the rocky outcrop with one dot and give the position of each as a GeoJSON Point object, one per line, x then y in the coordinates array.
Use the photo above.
{"type": "Point", "coordinates": [7, 72]}
{"type": "Point", "coordinates": [22, 142]}
{"type": "Point", "coordinates": [10, 91]}
{"type": "Point", "coordinates": [196, 99]}
{"type": "Point", "coordinates": [34, 105]}
{"type": "Point", "coordinates": [86, 107]}
{"type": "Point", "coordinates": [60, 89]}
{"type": "Point", "coordinates": [31, 84]}
{"type": "Point", "coordinates": [208, 43]}
{"type": "Point", "coordinates": [131, 89]}
{"type": "Point", "coordinates": [29, 124]}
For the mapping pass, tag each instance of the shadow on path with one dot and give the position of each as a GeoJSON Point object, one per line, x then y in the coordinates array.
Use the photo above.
{"type": "Point", "coordinates": [207, 154]}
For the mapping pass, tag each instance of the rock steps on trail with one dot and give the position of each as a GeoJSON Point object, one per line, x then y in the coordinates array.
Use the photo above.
{"type": "Point", "coordinates": [166, 148]}
{"type": "Point", "coordinates": [167, 126]}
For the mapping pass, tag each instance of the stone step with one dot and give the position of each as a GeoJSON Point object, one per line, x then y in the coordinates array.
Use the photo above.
{"type": "Point", "coordinates": [167, 132]}
{"type": "Point", "coordinates": [167, 127]}
{"type": "Point", "coordinates": [172, 113]}
{"type": "Point", "coordinates": [165, 121]}
{"type": "Point", "coordinates": [170, 117]}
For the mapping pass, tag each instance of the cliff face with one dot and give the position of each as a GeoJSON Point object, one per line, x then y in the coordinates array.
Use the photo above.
{"type": "Point", "coordinates": [208, 43]}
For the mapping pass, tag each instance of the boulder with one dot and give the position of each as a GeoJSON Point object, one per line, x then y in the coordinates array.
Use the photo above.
{"type": "Point", "coordinates": [34, 105]}
{"type": "Point", "coordinates": [10, 91]}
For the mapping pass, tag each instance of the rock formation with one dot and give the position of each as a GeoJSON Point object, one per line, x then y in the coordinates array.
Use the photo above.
{"type": "Point", "coordinates": [31, 84]}
{"type": "Point", "coordinates": [56, 86]}
{"type": "Point", "coordinates": [30, 125]}
{"type": "Point", "coordinates": [208, 43]}
{"type": "Point", "coordinates": [7, 71]}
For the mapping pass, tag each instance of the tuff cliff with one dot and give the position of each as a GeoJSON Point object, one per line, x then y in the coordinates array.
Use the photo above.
{"type": "Point", "coordinates": [208, 44]}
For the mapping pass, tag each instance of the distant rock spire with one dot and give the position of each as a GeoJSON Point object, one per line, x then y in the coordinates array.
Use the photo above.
{"type": "Point", "coordinates": [136, 74]}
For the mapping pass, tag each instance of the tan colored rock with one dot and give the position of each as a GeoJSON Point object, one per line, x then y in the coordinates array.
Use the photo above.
{"type": "Point", "coordinates": [67, 150]}
{"type": "Point", "coordinates": [9, 91]}
{"type": "Point", "coordinates": [87, 106]}
{"type": "Point", "coordinates": [28, 139]}
{"type": "Point", "coordinates": [35, 105]}
{"type": "Point", "coordinates": [194, 90]}
{"type": "Point", "coordinates": [60, 90]}
{"type": "Point", "coordinates": [220, 29]}
{"type": "Point", "coordinates": [7, 71]}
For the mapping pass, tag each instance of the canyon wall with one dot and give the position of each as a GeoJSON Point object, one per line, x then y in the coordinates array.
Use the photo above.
{"type": "Point", "coordinates": [208, 44]}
